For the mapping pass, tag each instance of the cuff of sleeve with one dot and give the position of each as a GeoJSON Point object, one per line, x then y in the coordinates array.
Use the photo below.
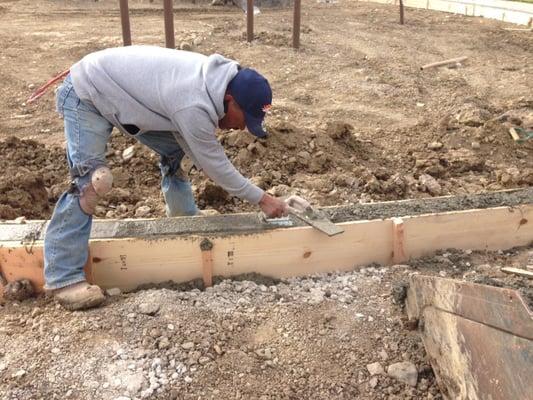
{"type": "Point", "coordinates": [252, 194]}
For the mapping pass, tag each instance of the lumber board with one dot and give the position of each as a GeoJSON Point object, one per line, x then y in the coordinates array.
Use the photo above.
{"type": "Point", "coordinates": [442, 63]}
{"type": "Point", "coordinates": [501, 308]}
{"type": "Point", "coordinates": [494, 229]}
{"type": "Point", "coordinates": [22, 262]}
{"type": "Point", "coordinates": [486, 332]}
{"type": "Point", "coordinates": [517, 271]}
{"type": "Point", "coordinates": [27, 262]}
{"type": "Point", "coordinates": [480, 362]}
{"type": "Point", "coordinates": [283, 252]}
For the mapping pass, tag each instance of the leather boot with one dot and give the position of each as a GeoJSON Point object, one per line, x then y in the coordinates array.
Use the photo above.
{"type": "Point", "coordinates": [79, 296]}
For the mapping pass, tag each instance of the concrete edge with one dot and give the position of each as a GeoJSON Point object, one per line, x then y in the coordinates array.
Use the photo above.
{"type": "Point", "coordinates": [32, 231]}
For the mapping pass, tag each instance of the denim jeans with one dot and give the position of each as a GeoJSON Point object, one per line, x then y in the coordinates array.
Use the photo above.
{"type": "Point", "coordinates": [66, 243]}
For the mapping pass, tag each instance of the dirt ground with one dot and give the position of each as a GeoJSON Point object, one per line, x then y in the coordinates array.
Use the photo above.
{"type": "Point", "coordinates": [330, 336]}
{"type": "Point", "coordinates": [354, 119]}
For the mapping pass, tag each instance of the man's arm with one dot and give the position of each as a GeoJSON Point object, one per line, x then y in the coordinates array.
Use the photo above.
{"type": "Point", "coordinates": [197, 129]}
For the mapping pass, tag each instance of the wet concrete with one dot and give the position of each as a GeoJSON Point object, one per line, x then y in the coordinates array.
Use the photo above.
{"type": "Point", "coordinates": [250, 223]}
{"type": "Point", "coordinates": [430, 206]}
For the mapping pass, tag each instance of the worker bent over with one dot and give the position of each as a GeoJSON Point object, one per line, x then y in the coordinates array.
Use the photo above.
{"type": "Point", "coordinates": [171, 101]}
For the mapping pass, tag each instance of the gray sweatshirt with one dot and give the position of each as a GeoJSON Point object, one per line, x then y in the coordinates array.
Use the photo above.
{"type": "Point", "coordinates": [158, 89]}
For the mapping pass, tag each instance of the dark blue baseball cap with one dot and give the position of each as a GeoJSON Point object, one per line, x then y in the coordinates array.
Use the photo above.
{"type": "Point", "coordinates": [252, 93]}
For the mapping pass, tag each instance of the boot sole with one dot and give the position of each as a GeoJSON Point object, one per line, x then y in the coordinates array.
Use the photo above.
{"type": "Point", "coordinates": [82, 304]}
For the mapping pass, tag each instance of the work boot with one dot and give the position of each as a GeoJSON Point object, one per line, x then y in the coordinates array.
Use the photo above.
{"type": "Point", "coordinates": [79, 296]}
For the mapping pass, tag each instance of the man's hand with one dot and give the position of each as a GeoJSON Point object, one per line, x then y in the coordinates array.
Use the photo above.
{"type": "Point", "coordinates": [272, 206]}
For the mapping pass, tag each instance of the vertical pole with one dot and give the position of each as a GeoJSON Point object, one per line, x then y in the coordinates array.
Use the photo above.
{"type": "Point", "coordinates": [169, 24]}
{"type": "Point", "coordinates": [296, 25]}
{"type": "Point", "coordinates": [125, 21]}
{"type": "Point", "coordinates": [250, 20]}
{"type": "Point", "coordinates": [401, 12]}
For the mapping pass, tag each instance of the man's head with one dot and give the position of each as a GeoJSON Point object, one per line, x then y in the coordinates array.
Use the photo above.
{"type": "Point", "coordinates": [246, 101]}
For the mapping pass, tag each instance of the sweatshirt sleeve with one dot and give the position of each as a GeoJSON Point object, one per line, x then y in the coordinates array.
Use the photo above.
{"type": "Point", "coordinates": [198, 130]}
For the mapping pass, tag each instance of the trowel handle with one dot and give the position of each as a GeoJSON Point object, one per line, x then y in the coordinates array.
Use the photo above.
{"type": "Point", "coordinates": [296, 203]}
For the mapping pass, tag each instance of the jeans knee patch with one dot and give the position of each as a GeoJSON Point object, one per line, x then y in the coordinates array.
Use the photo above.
{"type": "Point", "coordinates": [92, 186]}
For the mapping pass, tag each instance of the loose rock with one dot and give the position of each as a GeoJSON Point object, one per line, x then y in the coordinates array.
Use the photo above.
{"type": "Point", "coordinates": [128, 153]}
{"type": "Point", "coordinates": [148, 308]}
{"type": "Point", "coordinates": [375, 369]}
{"type": "Point", "coordinates": [405, 372]}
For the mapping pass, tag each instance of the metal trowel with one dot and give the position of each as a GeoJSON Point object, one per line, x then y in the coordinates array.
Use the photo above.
{"type": "Point", "coordinates": [302, 210]}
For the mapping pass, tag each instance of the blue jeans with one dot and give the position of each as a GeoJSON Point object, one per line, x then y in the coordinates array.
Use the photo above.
{"type": "Point", "coordinates": [66, 243]}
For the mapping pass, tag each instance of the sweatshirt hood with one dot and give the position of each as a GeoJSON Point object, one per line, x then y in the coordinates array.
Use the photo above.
{"type": "Point", "coordinates": [218, 71]}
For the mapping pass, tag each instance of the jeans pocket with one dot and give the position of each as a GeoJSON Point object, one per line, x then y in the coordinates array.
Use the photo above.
{"type": "Point", "coordinates": [61, 96]}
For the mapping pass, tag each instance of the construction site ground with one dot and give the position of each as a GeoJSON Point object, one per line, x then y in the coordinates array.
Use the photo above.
{"type": "Point", "coordinates": [354, 119]}
{"type": "Point", "coordinates": [332, 336]}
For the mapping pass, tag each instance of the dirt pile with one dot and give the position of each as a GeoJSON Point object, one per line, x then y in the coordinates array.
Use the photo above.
{"type": "Point", "coordinates": [330, 165]}
{"type": "Point", "coordinates": [29, 172]}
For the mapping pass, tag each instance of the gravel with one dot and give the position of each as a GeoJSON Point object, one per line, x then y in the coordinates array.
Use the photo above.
{"type": "Point", "coordinates": [326, 336]}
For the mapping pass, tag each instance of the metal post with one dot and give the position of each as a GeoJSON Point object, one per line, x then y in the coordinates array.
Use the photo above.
{"type": "Point", "coordinates": [125, 21]}
{"type": "Point", "coordinates": [250, 20]}
{"type": "Point", "coordinates": [401, 12]}
{"type": "Point", "coordinates": [169, 24]}
{"type": "Point", "coordinates": [296, 25]}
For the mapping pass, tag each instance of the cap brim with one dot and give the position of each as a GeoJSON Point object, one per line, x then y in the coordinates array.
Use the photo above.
{"type": "Point", "coordinates": [255, 125]}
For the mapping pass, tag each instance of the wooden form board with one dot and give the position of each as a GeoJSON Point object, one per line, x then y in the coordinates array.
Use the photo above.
{"type": "Point", "coordinates": [285, 252]}
{"type": "Point", "coordinates": [490, 229]}
{"type": "Point", "coordinates": [479, 338]}
{"type": "Point", "coordinates": [279, 253]}
{"type": "Point", "coordinates": [507, 11]}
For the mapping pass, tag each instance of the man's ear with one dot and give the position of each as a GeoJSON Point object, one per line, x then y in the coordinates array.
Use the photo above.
{"type": "Point", "coordinates": [228, 97]}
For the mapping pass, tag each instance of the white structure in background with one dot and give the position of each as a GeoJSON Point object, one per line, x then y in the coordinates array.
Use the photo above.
{"type": "Point", "coordinates": [507, 11]}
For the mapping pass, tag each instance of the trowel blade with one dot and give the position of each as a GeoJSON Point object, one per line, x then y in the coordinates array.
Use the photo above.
{"type": "Point", "coordinates": [318, 221]}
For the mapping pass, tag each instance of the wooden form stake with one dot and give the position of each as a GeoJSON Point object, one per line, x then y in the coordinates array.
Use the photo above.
{"type": "Point", "coordinates": [398, 252]}
{"type": "Point", "coordinates": [168, 17]}
{"type": "Point", "coordinates": [296, 24]}
{"type": "Point", "coordinates": [125, 22]}
{"type": "Point", "coordinates": [88, 268]}
{"type": "Point", "coordinates": [207, 262]}
{"type": "Point", "coordinates": [401, 12]}
{"type": "Point", "coordinates": [249, 20]}
{"type": "Point", "coordinates": [169, 24]}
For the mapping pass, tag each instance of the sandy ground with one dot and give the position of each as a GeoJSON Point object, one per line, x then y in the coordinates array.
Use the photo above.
{"type": "Point", "coordinates": [354, 119]}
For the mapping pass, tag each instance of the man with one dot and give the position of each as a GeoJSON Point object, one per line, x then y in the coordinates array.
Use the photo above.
{"type": "Point", "coordinates": [171, 101]}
